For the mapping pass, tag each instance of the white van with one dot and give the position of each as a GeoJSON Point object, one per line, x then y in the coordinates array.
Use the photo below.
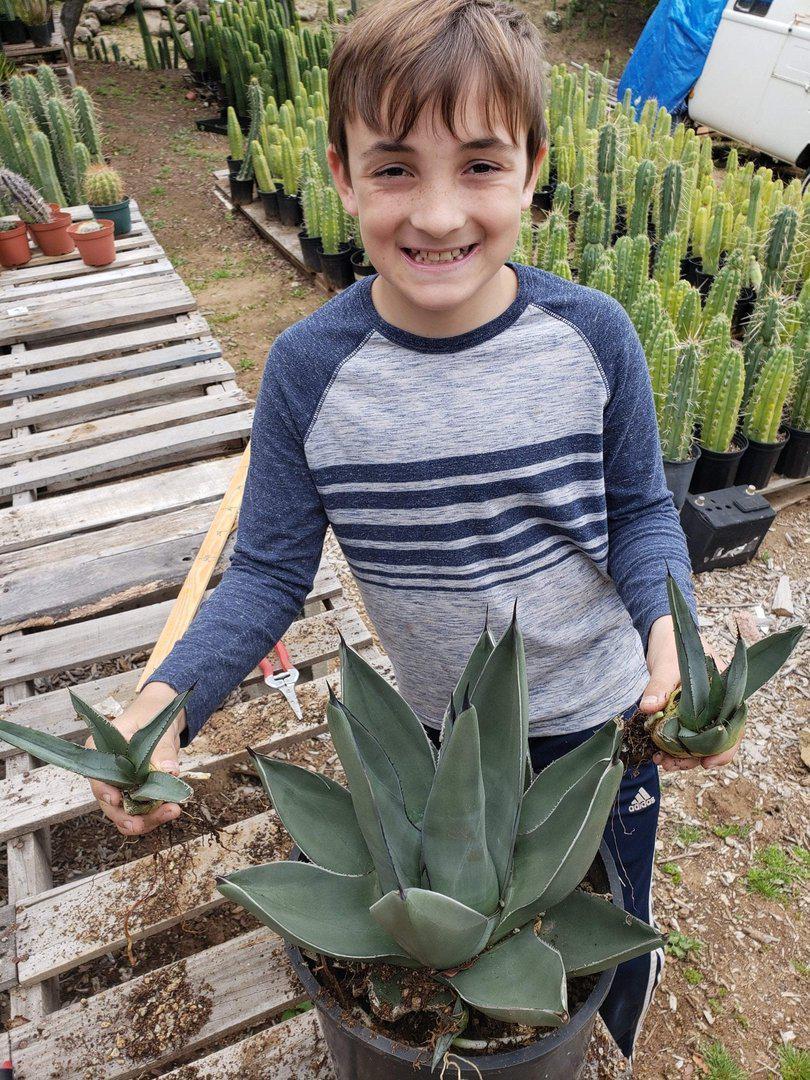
{"type": "Point", "coordinates": [755, 85]}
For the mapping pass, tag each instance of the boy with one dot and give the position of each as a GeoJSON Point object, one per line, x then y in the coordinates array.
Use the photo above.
{"type": "Point", "coordinates": [473, 430]}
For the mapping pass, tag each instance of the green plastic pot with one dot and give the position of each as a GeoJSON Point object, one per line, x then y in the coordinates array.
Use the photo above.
{"type": "Point", "coordinates": [118, 213]}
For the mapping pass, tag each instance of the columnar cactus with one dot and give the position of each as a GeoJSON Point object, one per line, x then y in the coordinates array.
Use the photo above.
{"type": "Point", "coordinates": [606, 178]}
{"type": "Point", "coordinates": [35, 100]}
{"type": "Point", "coordinates": [671, 193]}
{"type": "Point", "coordinates": [680, 406]}
{"type": "Point", "coordinates": [688, 319]}
{"type": "Point", "coordinates": [261, 170]}
{"type": "Point", "coordinates": [236, 140]}
{"type": "Point", "coordinates": [725, 288]}
{"type": "Point", "coordinates": [778, 246]}
{"type": "Point", "coordinates": [715, 343]}
{"type": "Point", "coordinates": [637, 271]}
{"type": "Point", "coordinates": [800, 407]}
{"type": "Point", "coordinates": [642, 194]}
{"type": "Point", "coordinates": [562, 199]}
{"type": "Point", "coordinates": [87, 123]}
{"type": "Point", "coordinates": [593, 232]}
{"type": "Point", "coordinates": [768, 396]}
{"type": "Point", "coordinates": [289, 167]}
{"type": "Point", "coordinates": [557, 249]}
{"type": "Point", "coordinates": [28, 204]}
{"type": "Point", "coordinates": [256, 112]}
{"type": "Point", "coordinates": [667, 269]}
{"type": "Point", "coordinates": [710, 255]}
{"type": "Point", "coordinates": [604, 276]}
{"type": "Point", "coordinates": [330, 222]}
{"type": "Point", "coordinates": [103, 186]}
{"type": "Point", "coordinates": [722, 400]}
{"type": "Point", "coordinates": [662, 355]}
{"type": "Point", "coordinates": [311, 205]}
{"type": "Point", "coordinates": [63, 139]}
{"type": "Point", "coordinates": [646, 313]}
{"type": "Point", "coordinates": [763, 334]}
{"type": "Point", "coordinates": [48, 181]}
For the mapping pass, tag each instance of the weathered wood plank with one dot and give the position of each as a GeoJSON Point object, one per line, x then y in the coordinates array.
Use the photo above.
{"type": "Point", "coordinates": [97, 346]}
{"type": "Point", "coordinates": [143, 262]}
{"type": "Point", "coordinates": [43, 268]}
{"type": "Point", "coordinates": [134, 454]}
{"type": "Point", "coordinates": [134, 302]}
{"type": "Point", "coordinates": [110, 504]}
{"type": "Point", "coordinates": [105, 429]}
{"type": "Point", "coordinates": [8, 967]}
{"type": "Point", "coordinates": [293, 1050]}
{"type": "Point", "coordinates": [242, 982]}
{"type": "Point", "coordinates": [142, 363]}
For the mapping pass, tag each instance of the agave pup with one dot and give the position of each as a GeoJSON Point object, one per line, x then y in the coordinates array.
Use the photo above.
{"type": "Point", "coordinates": [445, 862]}
{"type": "Point", "coordinates": [706, 715]}
{"type": "Point", "coordinates": [121, 763]}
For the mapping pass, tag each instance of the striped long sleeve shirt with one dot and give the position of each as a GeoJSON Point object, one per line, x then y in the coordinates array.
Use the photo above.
{"type": "Point", "coordinates": [518, 461]}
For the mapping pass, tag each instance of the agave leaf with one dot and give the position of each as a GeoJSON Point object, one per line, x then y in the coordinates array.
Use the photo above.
{"type": "Point", "coordinates": [501, 700]}
{"type": "Point", "coordinates": [162, 787]}
{"type": "Point", "coordinates": [592, 934]}
{"type": "Point", "coordinates": [454, 837]}
{"type": "Point", "coordinates": [735, 679]}
{"type": "Point", "coordinates": [717, 739]}
{"type": "Point", "coordinates": [392, 722]}
{"type": "Point", "coordinates": [448, 720]}
{"type": "Point", "coordinates": [314, 908]}
{"type": "Point", "coordinates": [767, 656]}
{"type": "Point", "coordinates": [108, 739]}
{"type": "Point", "coordinates": [664, 731]}
{"type": "Point", "coordinates": [520, 981]}
{"type": "Point", "coordinates": [717, 694]}
{"type": "Point", "coordinates": [691, 658]}
{"type": "Point", "coordinates": [482, 650]}
{"type": "Point", "coordinates": [551, 785]}
{"type": "Point", "coordinates": [460, 1017]}
{"type": "Point", "coordinates": [93, 764]}
{"type": "Point", "coordinates": [317, 813]}
{"type": "Point", "coordinates": [551, 861]}
{"type": "Point", "coordinates": [434, 929]}
{"type": "Point", "coordinates": [143, 742]}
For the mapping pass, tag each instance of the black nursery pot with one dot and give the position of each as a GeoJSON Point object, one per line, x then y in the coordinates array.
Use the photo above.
{"type": "Point", "coordinates": [758, 462]}
{"type": "Point", "coordinates": [621, 224]}
{"type": "Point", "coordinates": [269, 200]}
{"type": "Point", "coordinates": [544, 196]}
{"type": "Point", "coordinates": [289, 209]}
{"type": "Point", "coordinates": [40, 35]}
{"type": "Point", "coordinates": [794, 460]}
{"type": "Point", "coordinates": [703, 282]}
{"type": "Point", "coordinates": [234, 166]}
{"type": "Point", "coordinates": [679, 476]}
{"type": "Point", "coordinates": [310, 246]}
{"type": "Point", "coordinates": [13, 31]}
{"type": "Point", "coordinates": [338, 269]}
{"type": "Point", "coordinates": [241, 191]}
{"type": "Point", "coordinates": [714, 470]}
{"type": "Point", "coordinates": [743, 308]}
{"type": "Point", "coordinates": [358, 1053]}
{"type": "Point", "coordinates": [357, 265]}
{"type": "Point", "coordinates": [689, 269]}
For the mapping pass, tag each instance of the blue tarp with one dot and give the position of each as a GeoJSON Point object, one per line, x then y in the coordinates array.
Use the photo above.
{"type": "Point", "coordinates": [671, 51]}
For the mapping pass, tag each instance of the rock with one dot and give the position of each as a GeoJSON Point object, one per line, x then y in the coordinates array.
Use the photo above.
{"type": "Point", "coordinates": [154, 5]}
{"type": "Point", "coordinates": [83, 33]}
{"type": "Point", "coordinates": [92, 23]}
{"type": "Point", "coordinates": [782, 603]}
{"type": "Point", "coordinates": [804, 746]}
{"type": "Point", "coordinates": [108, 11]}
{"type": "Point", "coordinates": [307, 10]}
{"type": "Point", "coordinates": [183, 6]}
{"type": "Point", "coordinates": [203, 7]}
{"type": "Point", "coordinates": [187, 40]}
{"type": "Point", "coordinates": [153, 20]}
{"type": "Point", "coordinates": [552, 20]}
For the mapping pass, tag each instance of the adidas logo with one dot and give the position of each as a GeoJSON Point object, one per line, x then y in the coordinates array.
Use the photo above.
{"type": "Point", "coordinates": [641, 801]}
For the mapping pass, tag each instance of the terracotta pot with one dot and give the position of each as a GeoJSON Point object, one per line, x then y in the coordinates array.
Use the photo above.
{"type": "Point", "coordinates": [14, 249]}
{"type": "Point", "coordinates": [52, 238]}
{"type": "Point", "coordinates": [96, 248]}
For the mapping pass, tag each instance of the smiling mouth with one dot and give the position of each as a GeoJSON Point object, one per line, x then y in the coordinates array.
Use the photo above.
{"type": "Point", "coordinates": [433, 258]}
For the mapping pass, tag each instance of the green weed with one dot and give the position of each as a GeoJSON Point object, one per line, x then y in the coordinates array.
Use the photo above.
{"type": "Point", "coordinates": [720, 1065]}
{"type": "Point", "coordinates": [692, 975]}
{"type": "Point", "coordinates": [689, 834]}
{"type": "Point", "coordinates": [296, 1010]}
{"type": "Point", "coordinates": [246, 365]}
{"type": "Point", "coordinates": [732, 829]}
{"type": "Point", "coordinates": [673, 871]}
{"type": "Point", "coordinates": [794, 1064]}
{"type": "Point", "coordinates": [157, 190]}
{"type": "Point", "coordinates": [778, 872]}
{"type": "Point", "coordinates": [801, 968]}
{"type": "Point", "coordinates": [682, 947]}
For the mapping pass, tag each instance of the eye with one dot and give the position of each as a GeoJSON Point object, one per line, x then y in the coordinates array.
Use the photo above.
{"type": "Point", "coordinates": [392, 171]}
{"type": "Point", "coordinates": [487, 166]}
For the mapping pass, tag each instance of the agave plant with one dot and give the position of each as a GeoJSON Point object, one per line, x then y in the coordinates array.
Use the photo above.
{"type": "Point", "coordinates": [447, 862]}
{"type": "Point", "coordinates": [121, 763]}
{"type": "Point", "coordinates": [706, 716]}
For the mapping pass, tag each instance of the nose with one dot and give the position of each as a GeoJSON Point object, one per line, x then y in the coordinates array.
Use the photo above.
{"type": "Point", "coordinates": [437, 211]}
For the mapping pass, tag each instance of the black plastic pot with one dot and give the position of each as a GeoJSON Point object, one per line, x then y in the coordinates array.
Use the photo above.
{"type": "Point", "coordinates": [679, 476]}
{"type": "Point", "coordinates": [40, 35]}
{"type": "Point", "coordinates": [338, 268]}
{"type": "Point", "coordinates": [269, 204]}
{"type": "Point", "coordinates": [703, 282]}
{"type": "Point", "coordinates": [289, 209]}
{"type": "Point", "coordinates": [758, 462]}
{"type": "Point", "coordinates": [688, 267]}
{"type": "Point", "coordinates": [13, 31]}
{"type": "Point", "coordinates": [241, 191]}
{"type": "Point", "coordinates": [794, 460]}
{"type": "Point", "coordinates": [743, 308]}
{"type": "Point", "coordinates": [357, 265]}
{"type": "Point", "coordinates": [310, 247]}
{"type": "Point", "coordinates": [714, 470]}
{"type": "Point", "coordinates": [234, 166]}
{"type": "Point", "coordinates": [358, 1053]}
{"type": "Point", "coordinates": [621, 224]}
{"type": "Point", "coordinates": [543, 198]}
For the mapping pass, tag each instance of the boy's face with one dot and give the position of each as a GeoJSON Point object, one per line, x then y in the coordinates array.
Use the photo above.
{"type": "Point", "coordinates": [439, 213]}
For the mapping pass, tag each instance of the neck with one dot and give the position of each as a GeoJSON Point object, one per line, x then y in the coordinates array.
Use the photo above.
{"type": "Point", "coordinates": [487, 304]}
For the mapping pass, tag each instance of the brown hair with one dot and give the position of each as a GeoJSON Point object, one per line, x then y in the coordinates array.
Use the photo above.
{"type": "Point", "coordinates": [401, 55]}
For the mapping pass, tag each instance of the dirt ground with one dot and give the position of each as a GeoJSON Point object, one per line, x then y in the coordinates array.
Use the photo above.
{"type": "Point", "coordinates": [732, 854]}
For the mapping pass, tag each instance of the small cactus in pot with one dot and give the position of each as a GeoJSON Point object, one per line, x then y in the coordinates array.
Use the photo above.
{"type": "Point", "coordinates": [104, 192]}
{"type": "Point", "coordinates": [46, 223]}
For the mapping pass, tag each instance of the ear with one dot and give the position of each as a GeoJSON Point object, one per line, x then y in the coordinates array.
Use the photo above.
{"type": "Point", "coordinates": [342, 180]}
{"type": "Point", "coordinates": [531, 183]}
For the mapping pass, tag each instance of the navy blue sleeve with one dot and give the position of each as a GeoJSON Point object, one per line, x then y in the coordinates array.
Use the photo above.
{"type": "Point", "coordinates": [644, 529]}
{"type": "Point", "coordinates": [280, 537]}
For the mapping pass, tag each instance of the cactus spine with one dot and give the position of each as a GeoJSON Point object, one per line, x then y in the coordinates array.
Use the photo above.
{"type": "Point", "coordinates": [722, 400]}
{"type": "Point", "coordinates": [103, 186]}
{"type": "Point", "coordinates": [680, 405]}
{"type": "Point", "coordinates": [768, 397]}
{"type": "Point", "coordinates": [28, 203]}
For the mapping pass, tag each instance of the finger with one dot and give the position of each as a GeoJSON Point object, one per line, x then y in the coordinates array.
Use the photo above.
{"type": "Point", "coordinates": [138, 824]}
{"type": "Point", "coordinates": [657, 692]}
{"type": "Point", "coordinates": [675, 764]}
{"type": "Point", "coordinates": [106, 794]}
{"type": "Point", "coordinates": [717, 760]}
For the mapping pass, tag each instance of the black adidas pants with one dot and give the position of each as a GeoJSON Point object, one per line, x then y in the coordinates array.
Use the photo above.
{"type": "Point", "coordinates": [630, 835]}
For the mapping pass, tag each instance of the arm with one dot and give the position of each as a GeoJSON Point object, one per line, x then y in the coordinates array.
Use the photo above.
{"type": "Point", "coordinates": [280, 535]}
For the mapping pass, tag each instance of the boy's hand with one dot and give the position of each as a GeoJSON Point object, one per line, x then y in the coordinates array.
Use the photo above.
{"type": "Point", "coordinates": [665, 676]}
{"type": "Point", "coordinates": [154, 697]}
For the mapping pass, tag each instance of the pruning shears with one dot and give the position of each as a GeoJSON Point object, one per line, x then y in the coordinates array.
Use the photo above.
{"type": "Point", "coordinates": [283, 680]}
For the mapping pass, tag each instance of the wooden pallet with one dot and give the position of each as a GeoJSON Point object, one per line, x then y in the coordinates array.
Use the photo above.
{"type": "Point", "coordinates": [119, 434]}
{"type": "Point", "coordinates": [57, 53]}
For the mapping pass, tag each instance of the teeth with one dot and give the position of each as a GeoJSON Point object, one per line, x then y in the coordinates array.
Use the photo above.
{"type": "Point", "coordinates": [437, 256]}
